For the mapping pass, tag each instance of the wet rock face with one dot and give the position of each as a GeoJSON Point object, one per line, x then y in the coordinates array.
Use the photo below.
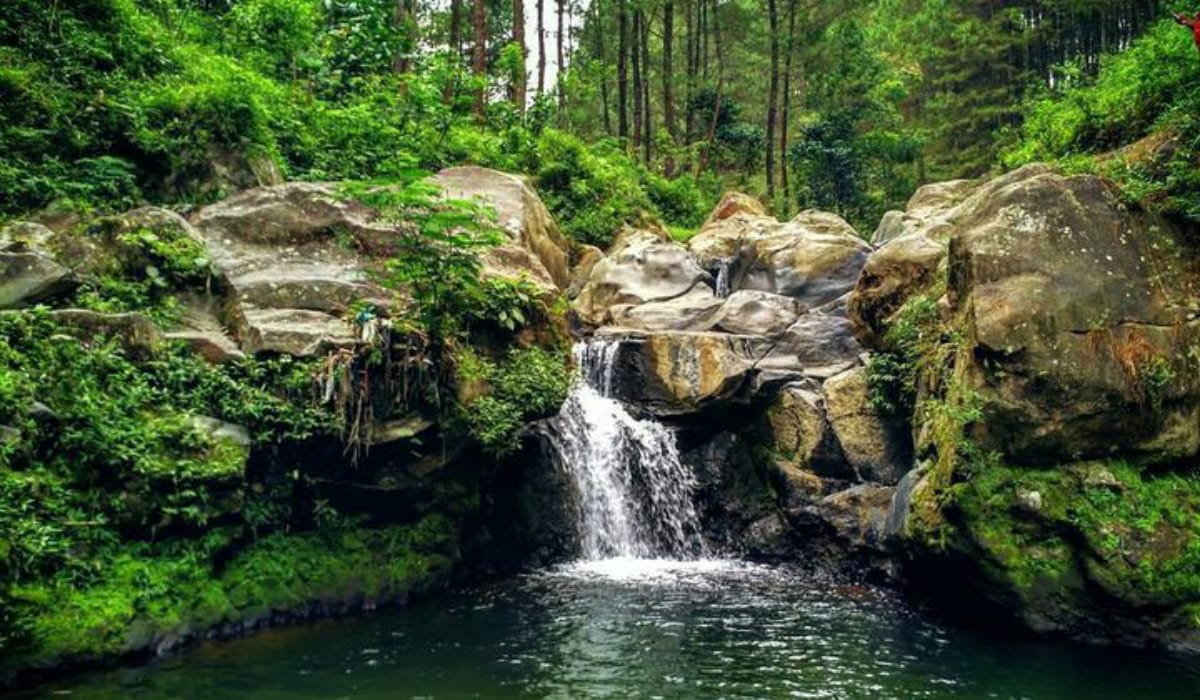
{"type": "Point", "coordinates": [740, 339]}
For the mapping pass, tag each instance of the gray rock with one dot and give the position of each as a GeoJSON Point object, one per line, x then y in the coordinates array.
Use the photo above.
{"type": "Point", "coordinates": [758, 313]}
{"type": "Point", "coordinates": [25, 236]}
{"type": "Point", "coordinates": [520, 212]}
{"type": "Point", "coordinates": [29, 278]}
{"type": "Point", "coordinates": [817, 345]}
{"type": "Point", "coordinates": [878, 449]}
{"type": "Point", "coordinates": [640, 269]}
{"type": "Point", "coordinates": [696, 310]}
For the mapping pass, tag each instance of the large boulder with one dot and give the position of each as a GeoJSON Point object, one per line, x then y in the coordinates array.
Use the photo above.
{"type": "Point", "coordinates": [817, 345]}
{"type": "Point", "coordinates": [672, 373]}
{"type": "Point", "coordinates": [801, 440]}
{"type": "Point", "coordinates": [758, 313]}
{"type": "Point", "coordinates": [29, 271]}
{"type": "Point", "coordinates": [641, 268]}
{"type": "Point", "coordinates": [697, 310]}
{"type": "Point", "coordinates": [520, 213]}
{"type": "Point", "coordinates": [290, 278]}
{"type": "Point", "coordinates": [814, 258]}
{"type": "Point", "coordinates": [913, 247]}
{"type": "Point", "coordinates": [1057, 397]}
{"type": "Point", "coordinates": [27, 278]}
{"type": "Point", "coordinates": [1079, 317]}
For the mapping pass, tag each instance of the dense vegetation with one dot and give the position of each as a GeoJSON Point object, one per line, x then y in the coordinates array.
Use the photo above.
{"type": "Point", "coordinates": [124, 497]}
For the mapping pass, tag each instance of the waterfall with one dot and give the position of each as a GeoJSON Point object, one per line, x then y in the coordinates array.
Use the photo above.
{"type": "Point", "coordinates": [723, 290]}
{"type": "Point", "coordinates": [634, 493]}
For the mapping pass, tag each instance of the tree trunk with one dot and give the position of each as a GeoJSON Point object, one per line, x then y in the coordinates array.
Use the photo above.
{"type": "Point", "coordinates": [667, 69]}
{"type": "Point", "coordinates": [635, 56]}
{"type": "Point", "coordinates": [647, 121]}
{"type": "Point", "coordinates": [517, 89]}
{"type": "Point", "coordinates": [541, 39]}
{"type": "Point", "coordinates": [561, 64]}
{"type": "Point", "coordinates": [602, 55]}
{"type": "Point", "coordinates": [479, 58]}
{"type": "Point", "coordinates": [454, 45]}
{"type": "Point", "coordinates": [772, 95]}
{"type": "Point", "coordinates": [622, 70]}
{"type": "Point", "coordinates": [787, 102]}
{"type": "Point", "coordinates": [710, 137]}
{"type": "Point", "coordinates": [689, 19]}
{"type": "Point", "coordinates": [401, 63]}
{"type": "Point", "coordinates": [456, 28]}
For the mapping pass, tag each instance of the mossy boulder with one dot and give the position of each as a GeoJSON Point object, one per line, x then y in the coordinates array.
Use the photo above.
{"type": "Point", "coordinates": [1046, 366]}
{"type": "Point", "coordinates": [1103, 551]}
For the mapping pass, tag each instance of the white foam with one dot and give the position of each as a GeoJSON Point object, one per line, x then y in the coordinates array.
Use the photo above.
{"type": "Point", "coordinates": [652, 571]}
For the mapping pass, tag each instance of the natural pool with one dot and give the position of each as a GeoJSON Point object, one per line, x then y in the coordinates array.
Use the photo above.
{"type": "Point", "coordinates": [643, 629]}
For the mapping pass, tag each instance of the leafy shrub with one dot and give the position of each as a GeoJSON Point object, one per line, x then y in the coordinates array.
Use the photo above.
{"type": "Point", "coordinates": [529, 383]}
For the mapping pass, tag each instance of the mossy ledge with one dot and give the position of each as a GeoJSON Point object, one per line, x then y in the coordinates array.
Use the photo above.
{"type": "Point", "coordinates": [151, 600]}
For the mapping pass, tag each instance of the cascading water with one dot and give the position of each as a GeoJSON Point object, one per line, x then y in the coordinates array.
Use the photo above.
{"type": "Point", "coordinates": [635, 495]}
{"type": "Point", "coordinates": [723, 289]}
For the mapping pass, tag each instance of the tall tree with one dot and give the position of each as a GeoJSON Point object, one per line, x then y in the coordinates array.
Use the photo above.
{"type": "Point", "coordinates": [710, 136]}
{"type": "Point", "coordinates": [772, 94]}
{"type": "Point", "coordinates": [479, 57]}
{"type": "Point", "coordinates": [635, 60]}
{"type": "Point", "coordinates": [455, 40]}
{"type": "Point", "coordinates": [541, 39]}
{"type": "Point", "coordinates": [622, 69]}
{"type": "Point", "coordinates": [667, 69]}
{"type": "Point", "coordinates": [647, 121]}
{"type": "Point", "coordinates": [786, 116]}
{"type": "Point", "coordinates": [402, 63]}
{"type": "Point", "coordinates": [690, 43]}
{"type": "Point", "coordinates": [561, 63]}
{"type": "Point", "coordinates": [517, 89]}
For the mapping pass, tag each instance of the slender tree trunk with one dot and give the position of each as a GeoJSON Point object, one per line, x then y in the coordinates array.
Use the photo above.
{"type": "Point", "coordinates": [456, 28]}
{"type": "Point", "coordinates": [561, 56]}
{"type": "Point", "coordinates": [647, 121]}
{"type": "Point", "coordinates": [401, 63]}
{"type": "Point", "coordinates": [772, 95]}
{"type": "Point", "coordinates": [668, 69]}
{"type": "Point", "coordinates": [622, 70]}
{"type": "Point", "coordinates": [454, 45]}
{"type": "Point", "coordinates": [709, 138]}
{"type": "Point", "coordinates": [602, 55]}
{"type": "Point", "coordinates": [479, 57]}
{"type": "Point", "coordinates": [635, 58]}
{"type": "Point", "coordinates": [785, 119]}
{"type": "Point", "coordinates": [689, 19]}
{"type": "Point", "coordinates": [517, 90]}
{"type": "Point", "coordinates": [541, 39]}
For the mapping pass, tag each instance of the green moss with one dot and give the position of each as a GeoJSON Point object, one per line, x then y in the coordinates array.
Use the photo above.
{"type": "Point", "coordinates": [1135, 534]}
{"type": "Point", "coordinates": [147, 593]}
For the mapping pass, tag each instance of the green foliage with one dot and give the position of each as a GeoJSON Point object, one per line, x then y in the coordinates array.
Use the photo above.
{"type": "Point", "coordinates": [180, 587]}
{"type": "Point", "coordinates": [436, 256]}
{"type": "Point", "coordinates": [1148, 92]}
{"type": "Point", "coordinates": [594, 191]}
{"type": "Point", "coordinates": [893, 373]}
{"type": "Point", "coordinates": [529, 383]}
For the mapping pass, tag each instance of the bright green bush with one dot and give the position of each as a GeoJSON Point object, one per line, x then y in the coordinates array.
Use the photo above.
{"type": "Point", "coordinates": [1151, 89]}
{"type": "Point", "coordinates": [529, 383]}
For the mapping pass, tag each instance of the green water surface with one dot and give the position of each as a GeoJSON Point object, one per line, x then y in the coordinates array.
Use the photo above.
{"type": "Point", "coordinates": [643, 630]}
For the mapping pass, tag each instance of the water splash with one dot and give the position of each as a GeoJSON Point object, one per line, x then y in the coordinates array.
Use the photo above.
{"type": "Point", "coordinates": [634, 493]}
